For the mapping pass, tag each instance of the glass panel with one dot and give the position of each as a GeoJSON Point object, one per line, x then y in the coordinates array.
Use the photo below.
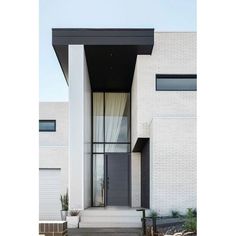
{"type": "Point", "coordinates": [98, 122]}
{"type": "Point", "coordinates": [117, 117]}
{"type": "Point", "coordinates": [117, 147]}
{"type": "Point", "coordinates": [47, 125]}
{"type": "Point", "coordinates": [174, 84]}
{"type": "Point", "coordinates": [98, 148]}
{"type": "Point", "coordinates": [98, 180]}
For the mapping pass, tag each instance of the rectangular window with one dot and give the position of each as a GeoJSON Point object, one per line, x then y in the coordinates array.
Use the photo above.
{"type": "Point", "coordinates": [47, 125]}
{"type": "Point", "coordinates": [168, 82]}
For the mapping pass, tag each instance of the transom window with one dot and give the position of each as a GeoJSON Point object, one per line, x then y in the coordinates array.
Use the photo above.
{"type": "Point", "coordinates": [178, 82]}
{"type": "Point", "coordinates": [47, 125]}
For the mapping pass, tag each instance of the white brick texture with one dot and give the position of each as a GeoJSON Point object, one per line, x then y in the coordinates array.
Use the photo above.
{"type": "Point", "coordinates": [169, 120]}
{"type": "Point", "coordinates": [173, 164]}
{"type": "Point", "coordinates": [53, 146]}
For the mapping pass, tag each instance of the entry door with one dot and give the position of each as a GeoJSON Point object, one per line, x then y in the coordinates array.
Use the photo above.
{"type": "Point", "coordinates": [117, 179]}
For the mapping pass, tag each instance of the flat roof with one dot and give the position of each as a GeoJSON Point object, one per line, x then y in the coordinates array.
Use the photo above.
{"type": "Point", "coordinates": [124, 43]}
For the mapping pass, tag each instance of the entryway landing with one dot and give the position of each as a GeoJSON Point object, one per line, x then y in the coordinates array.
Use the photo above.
{"type": "Point", "coordinates": [110, 217]}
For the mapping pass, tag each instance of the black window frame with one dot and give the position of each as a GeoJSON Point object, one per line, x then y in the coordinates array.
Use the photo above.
{"type": "Point", "coordinates": [46, 130]}
{"type": "Point", "coordinates": [176, 76]}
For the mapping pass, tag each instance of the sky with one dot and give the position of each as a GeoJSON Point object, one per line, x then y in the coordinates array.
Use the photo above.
{"type": "Point", "coordinates": [163, 15]}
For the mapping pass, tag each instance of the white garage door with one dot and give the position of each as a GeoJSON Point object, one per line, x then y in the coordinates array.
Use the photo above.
{"type": "Point", "coordinates": [49, 194]}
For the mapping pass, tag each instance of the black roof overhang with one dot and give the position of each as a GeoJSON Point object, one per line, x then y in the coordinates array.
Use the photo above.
{"type": "Point", "coordinates": [110, 53]}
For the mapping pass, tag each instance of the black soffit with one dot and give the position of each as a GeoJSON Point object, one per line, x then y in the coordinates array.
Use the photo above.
{"type": "Point", "coordinates": [110, 53]}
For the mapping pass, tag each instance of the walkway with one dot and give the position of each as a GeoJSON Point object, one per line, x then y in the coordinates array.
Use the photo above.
{"type": "Point", "coordinates": [105, 232]}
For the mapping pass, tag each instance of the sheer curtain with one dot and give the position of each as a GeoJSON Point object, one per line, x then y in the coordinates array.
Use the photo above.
{"type": "Point", "coordinates": [98, 108]}
{"type": "Point", "coordinates": [115, 104]}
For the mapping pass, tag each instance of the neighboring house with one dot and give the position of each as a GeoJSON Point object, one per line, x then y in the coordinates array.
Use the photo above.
{"type": "Point", "coordinates": [132, 119]}
{"type": "Point", "coordinates": [53, 157]}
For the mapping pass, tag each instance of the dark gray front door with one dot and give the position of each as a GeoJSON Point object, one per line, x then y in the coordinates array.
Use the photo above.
{"type": "Point", "coordinates": [117, 176]}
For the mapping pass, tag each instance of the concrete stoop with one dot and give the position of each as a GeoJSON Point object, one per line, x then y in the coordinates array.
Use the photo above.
{"type": "Point", "coordinates": [110, 218]}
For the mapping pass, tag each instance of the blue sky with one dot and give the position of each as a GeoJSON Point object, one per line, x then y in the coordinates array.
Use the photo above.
{"type": "Point", "coordinates": [163, 15]}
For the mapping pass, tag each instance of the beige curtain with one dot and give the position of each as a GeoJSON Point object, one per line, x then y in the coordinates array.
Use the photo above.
{"type": "Point", "coordinates": [115, 104]}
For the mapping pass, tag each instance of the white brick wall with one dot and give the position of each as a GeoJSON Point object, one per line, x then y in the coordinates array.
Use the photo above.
{"type": "Point", "coordinates": [53, 146]}
{"type": "Point", "coordinates": [54, 111]}
{"type": "Point", "coordinates": [173, 164]}
{"type": "Point", "coordinates": [173, 53]}
{"type": "Point", "coordinates": [168, 118]}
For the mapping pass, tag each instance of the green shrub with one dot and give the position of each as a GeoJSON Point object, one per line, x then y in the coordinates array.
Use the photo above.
{"type": "Point", "coordinates": [153, 214]}
{"type": "Point", "coordinates": [64, 201]}
{"type": "Point", "coordinates": [195, 212]}
{"type": "Point", "coordinates": [175, 214]}
{"type": "Point", "coordinates": [191, 220]}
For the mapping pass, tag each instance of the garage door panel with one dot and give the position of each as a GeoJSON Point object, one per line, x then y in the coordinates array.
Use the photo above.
{"type": "Point", "coordinates": [49, 194]}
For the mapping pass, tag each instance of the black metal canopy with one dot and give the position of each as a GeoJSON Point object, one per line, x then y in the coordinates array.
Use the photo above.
{"type": "Point", "coordinates": [110, 53]}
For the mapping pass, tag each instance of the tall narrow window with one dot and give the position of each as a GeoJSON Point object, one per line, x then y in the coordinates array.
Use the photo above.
{"type": "Point", "coordinates": [111, 134]}
{"type": "Point", "coordinates": [98, 180]}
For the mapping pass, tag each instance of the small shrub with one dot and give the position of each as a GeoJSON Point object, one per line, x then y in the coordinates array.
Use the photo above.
{"type": "Point", "coordinates": [153, 214]}
{"type": "Point", "coordinates": [74, 212]}
{"type": "Point", "coordinates": [64, 201]}
{"type": "Point", "coordinates": [175, 214]}
{"type": "Point", "coordinates": [195, 212]}
{"type": "Point", "coordinates": [191, 220]}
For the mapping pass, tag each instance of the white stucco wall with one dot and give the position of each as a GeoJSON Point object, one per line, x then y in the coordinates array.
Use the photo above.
{"type": "Point", "coordinates": [173, 53]}
{"type": "Point", "coordinates": [79, 129]}
{"type": "Point", "coordinates": [53, 146]}
{"type": "Point", "coordinates": [87, 137]}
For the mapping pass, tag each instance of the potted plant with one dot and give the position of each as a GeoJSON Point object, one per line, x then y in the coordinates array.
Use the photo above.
{"type": "Point", "coordinates": [73, 219]}
{"type": "Point", "coordinates": [64, 206]}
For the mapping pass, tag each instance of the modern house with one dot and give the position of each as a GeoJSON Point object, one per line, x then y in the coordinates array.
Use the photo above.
{"type": "Point", "coordinates": [127, 137]}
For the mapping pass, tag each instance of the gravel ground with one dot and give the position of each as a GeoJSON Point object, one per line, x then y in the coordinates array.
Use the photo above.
{"type": "Point", "coordinates": [171, 230]}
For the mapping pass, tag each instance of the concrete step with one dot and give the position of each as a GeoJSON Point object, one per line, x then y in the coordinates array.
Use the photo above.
{"type": "Point", "coordinates": [110, 213]}
{"type": "Point", "coordinates": [110, 219]}
{"type": "Point", "coordinates": [109, 225]}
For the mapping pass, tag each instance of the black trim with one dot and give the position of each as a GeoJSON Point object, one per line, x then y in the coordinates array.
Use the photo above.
{"type": "Point", "coordinates": [139, 144]}
{"type": "Point", "coordinates": [177, 76]}
{"type": "Point", "coordinates": [100, 36]}
{"type": "Point", "coordinates": [145, 175]}
{"type": "Point", "coordinates": [46, 130]}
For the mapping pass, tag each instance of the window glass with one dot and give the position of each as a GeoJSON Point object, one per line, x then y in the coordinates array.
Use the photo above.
{"type": "Point", "coordinates": [47, 125]}
{"type": "Point", "coordinates": [117, 117]}
{"type": "Point", "coordinates": [98, 122]}
{"type": "Point", "coordinates": [117, 147]}
{"type": "Point", "coordinates": [176, 83]}
{"type": "Point", "coordinates": [98, 180]}
{"type": "Point", "coordinates": [98, 148]}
